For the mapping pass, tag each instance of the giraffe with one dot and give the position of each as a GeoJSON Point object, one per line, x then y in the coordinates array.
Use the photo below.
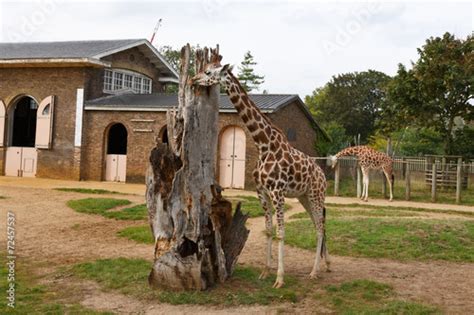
{"type": "Point", "coordinates": [369, 159]}
{"type": "Point", "coordinates": [282, 171]}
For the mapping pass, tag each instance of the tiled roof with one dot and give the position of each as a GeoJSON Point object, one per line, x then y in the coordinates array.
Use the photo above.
{"type": "Point", "coordinates": [266, 102]}
{"type": "Point", "coordinates": [91, 51]}
{"type": "Point", "coordinates": [74, 49]}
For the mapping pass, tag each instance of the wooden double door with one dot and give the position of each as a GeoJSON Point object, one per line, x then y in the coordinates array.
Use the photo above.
{"type": "Point", "coordinates": [232, 158]}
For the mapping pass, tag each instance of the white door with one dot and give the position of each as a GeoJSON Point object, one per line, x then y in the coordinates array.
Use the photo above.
{"type": "Point", "coordinates": [21, 162]}
{"type": "Point", "coordinates": [232, 158]}
{"type": "Point", "coordinates": [116, 168]}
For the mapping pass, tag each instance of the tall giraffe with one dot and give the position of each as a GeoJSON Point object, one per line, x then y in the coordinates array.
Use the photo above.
{"type": "Point", "coordinates": [282, 171]}
{"type": "Point", "coordinates": [369, 159]}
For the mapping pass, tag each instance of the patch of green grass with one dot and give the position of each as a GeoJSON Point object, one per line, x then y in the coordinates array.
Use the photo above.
{"type": "Point", "coordinates": [129, 276]}
{"type": "Point", "coordinates": [31, 298]}
{"type": "Point", "coordinates": [90, 191]}
{"type": "Point", "coordinates": [96, 205]}
{"type": "Point", "coordinates": [419, 191]}
{"type": "Point", "coordinates": [138, 212]}
{"type": "Point", "coordinates": [401, 239]}
{"type": "Point", "coordinates": [341, 212]}
{"type": "Point", "coordinates": [140, 234]}
{"type": "Point", "coordinates": [370, 297]}
{"type": "Point", "coordinates": [251, 205]}
{"type": "Point", "coordinates": [102, 206]}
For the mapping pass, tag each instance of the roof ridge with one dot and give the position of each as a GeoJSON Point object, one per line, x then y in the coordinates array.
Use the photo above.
{"type": "Point", "coordinates": [74, 41]}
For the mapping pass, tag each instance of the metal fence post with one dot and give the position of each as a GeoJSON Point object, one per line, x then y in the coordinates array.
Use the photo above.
{"type": "Point", "coordinates": [407, 182]}
{"type": "Point", "coordinates": [433, 182]}
{"type": "Point", "coordinates": [458, 180]}
{"type": "Point", "coordinates": [336, 179]}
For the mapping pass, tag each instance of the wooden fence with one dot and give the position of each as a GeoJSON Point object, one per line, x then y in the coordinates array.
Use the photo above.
{"type": "Point", "coordinates": [447, 175]}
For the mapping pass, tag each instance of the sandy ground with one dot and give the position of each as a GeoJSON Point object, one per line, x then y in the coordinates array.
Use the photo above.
{"type": "Point", "coordinates": [52, 235]}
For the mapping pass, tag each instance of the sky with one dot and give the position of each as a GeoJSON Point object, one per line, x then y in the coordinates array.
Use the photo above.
{"type": "Point", "coordinates": [298, 45]}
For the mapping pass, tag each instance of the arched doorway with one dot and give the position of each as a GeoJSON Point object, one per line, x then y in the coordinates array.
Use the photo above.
{"type": "Point", "coordinates": [116, 158]}
{"type": "Point", "coordinates": [21, 155]}
{"type": "Point", "coordinates": [232, 158]}
{"type": "Point", "coordinates": [163, 134]}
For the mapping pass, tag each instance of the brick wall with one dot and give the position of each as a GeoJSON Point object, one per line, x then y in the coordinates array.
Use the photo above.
{"type": "Point", "coordinates": [39, 83]}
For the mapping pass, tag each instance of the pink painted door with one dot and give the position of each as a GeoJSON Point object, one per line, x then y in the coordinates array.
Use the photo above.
{"type": "Point", "coordinates": [28, 162]}
{"type": "Point", "coordinates": [21, 162]}
{"type": "Point", "coordinates": [116, 168]}
{"type": "Point", "coordinates": [13, 161]}
{"type": "Point", "coordinates": [232, 158]}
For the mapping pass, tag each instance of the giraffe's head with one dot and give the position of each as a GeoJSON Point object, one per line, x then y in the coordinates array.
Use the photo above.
{"type": "Point", "coordinates": [213, 74]}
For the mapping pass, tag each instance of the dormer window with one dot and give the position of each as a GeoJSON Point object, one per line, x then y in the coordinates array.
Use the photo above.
{"type": "Point", "coordinates": [123, 80]}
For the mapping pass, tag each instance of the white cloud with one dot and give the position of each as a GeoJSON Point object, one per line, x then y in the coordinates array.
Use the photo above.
{"type": "Point", "coordinates": [298, 46]}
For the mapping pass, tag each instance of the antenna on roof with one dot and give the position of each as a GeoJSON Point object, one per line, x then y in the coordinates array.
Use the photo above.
{"type": "Point", "coordinates": [158, 24]}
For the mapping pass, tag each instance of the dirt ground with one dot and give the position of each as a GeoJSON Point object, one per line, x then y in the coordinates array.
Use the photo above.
{"type": "Point", "coordinates": [50, 235]}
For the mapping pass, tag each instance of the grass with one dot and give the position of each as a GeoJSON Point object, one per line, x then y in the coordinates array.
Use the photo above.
{"type": "Point", "coordinates": [251, 205]}
{"type": "Point", "coordinates": [419, 191]}
{"type": "Point", "coordinates": [101, 206]}
{"type": "Point", "coordinates": [394, 238]}
{"type": "Point", "coordinates": [129, 276]}
{"type": "Point", "coordinates": [369, 297]}
{"type": "Point", "coordinates": [89, 191]}
{"type": "Point", "coordinates": [31, 298]}
{"type": "Point", "coordinates": [379, 212]}
{"type": "Point", "coordinates": [140, 234]}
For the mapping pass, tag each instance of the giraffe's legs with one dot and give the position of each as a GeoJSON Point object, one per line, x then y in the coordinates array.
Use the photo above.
{"type": "Point", "coordinates": [365, 181]}
{"type": "Point", "coordinates": [265, 202]}
{"type": "Point", "coordinates": [278, 203]}
{"type": "Point", "coordinates": [389, 180]}
{"type": "Point", "coordinates": [315, 209]}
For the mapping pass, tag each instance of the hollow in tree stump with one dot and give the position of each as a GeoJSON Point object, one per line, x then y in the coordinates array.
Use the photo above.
{"type": "Point", "coordinates": [197, 239]}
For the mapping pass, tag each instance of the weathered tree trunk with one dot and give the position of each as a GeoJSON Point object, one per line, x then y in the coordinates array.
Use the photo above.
{"type": "Point", "coordinates": [197, 241]}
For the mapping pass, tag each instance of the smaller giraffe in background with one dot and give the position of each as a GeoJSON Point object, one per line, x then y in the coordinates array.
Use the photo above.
{"type": "Point", "coordinates": [369, 159]}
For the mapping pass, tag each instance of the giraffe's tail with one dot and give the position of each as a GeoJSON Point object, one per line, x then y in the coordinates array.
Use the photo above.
{"type": "Point", "coordinates": [323, 243]}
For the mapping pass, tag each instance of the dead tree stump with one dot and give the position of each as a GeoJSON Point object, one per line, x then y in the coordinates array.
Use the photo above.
{"type": "Point", "coordinates": [197, 239]}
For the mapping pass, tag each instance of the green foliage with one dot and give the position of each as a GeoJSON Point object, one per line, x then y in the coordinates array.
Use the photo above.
{"type": "Point", "coordinates": [352, 100]}
{"type": "Point", "coordinates": [410, 141]}
{"type": "Point", "coordinates": [101, 206]}
{"type": "Point", "coordinates": [402, 239]}
{"type": "Point", "coordinates": [173, 57]}
{"type": "Point", "coordinates": [248, 78]}
{"type": "Point", "coordinates": [340, 140]}
{"type": "Point", "coordinates": [463, 143]}
{"type": "Point", "coordinates": [129, 276]}
{"type": "Point", "coordinates": [370, 297]}
{"type": "Point", "coordinates": [90, 191]}
{"type": "Point", "coordinates": [436, 90]}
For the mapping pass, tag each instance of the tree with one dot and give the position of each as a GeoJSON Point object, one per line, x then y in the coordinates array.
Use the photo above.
{"type": "Point", "coordinates": [246, 75]}
{"type": "Point", "coordinates": [437, 89]}
{"type": "Point", "coordinates": [173, 57]}
{"type": "Point", "coordinates": [352, 100]}
{"type": "Point", "coordinates": [339, 139]}
{"type": "Point", "coordinates": [197, 238]}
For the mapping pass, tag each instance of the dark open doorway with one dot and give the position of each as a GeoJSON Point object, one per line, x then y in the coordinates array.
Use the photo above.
{"type": "Point", "coordinates": [117, 140]}
{"type": "Point", "coordinates": [24, 123]}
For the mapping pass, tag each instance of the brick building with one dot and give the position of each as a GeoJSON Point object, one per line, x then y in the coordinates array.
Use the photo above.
{"type": "Point", "coordinates": [92, 110]}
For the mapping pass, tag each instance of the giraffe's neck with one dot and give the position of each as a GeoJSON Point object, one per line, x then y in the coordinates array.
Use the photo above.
{"type": "Point", "coordinates": [353, 151]}
{"type": "Point", "coordinates": [256, 122]}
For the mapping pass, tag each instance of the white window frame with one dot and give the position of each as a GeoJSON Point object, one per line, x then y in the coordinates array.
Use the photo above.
{"type": "Point", "coordinates": [118, 80]}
